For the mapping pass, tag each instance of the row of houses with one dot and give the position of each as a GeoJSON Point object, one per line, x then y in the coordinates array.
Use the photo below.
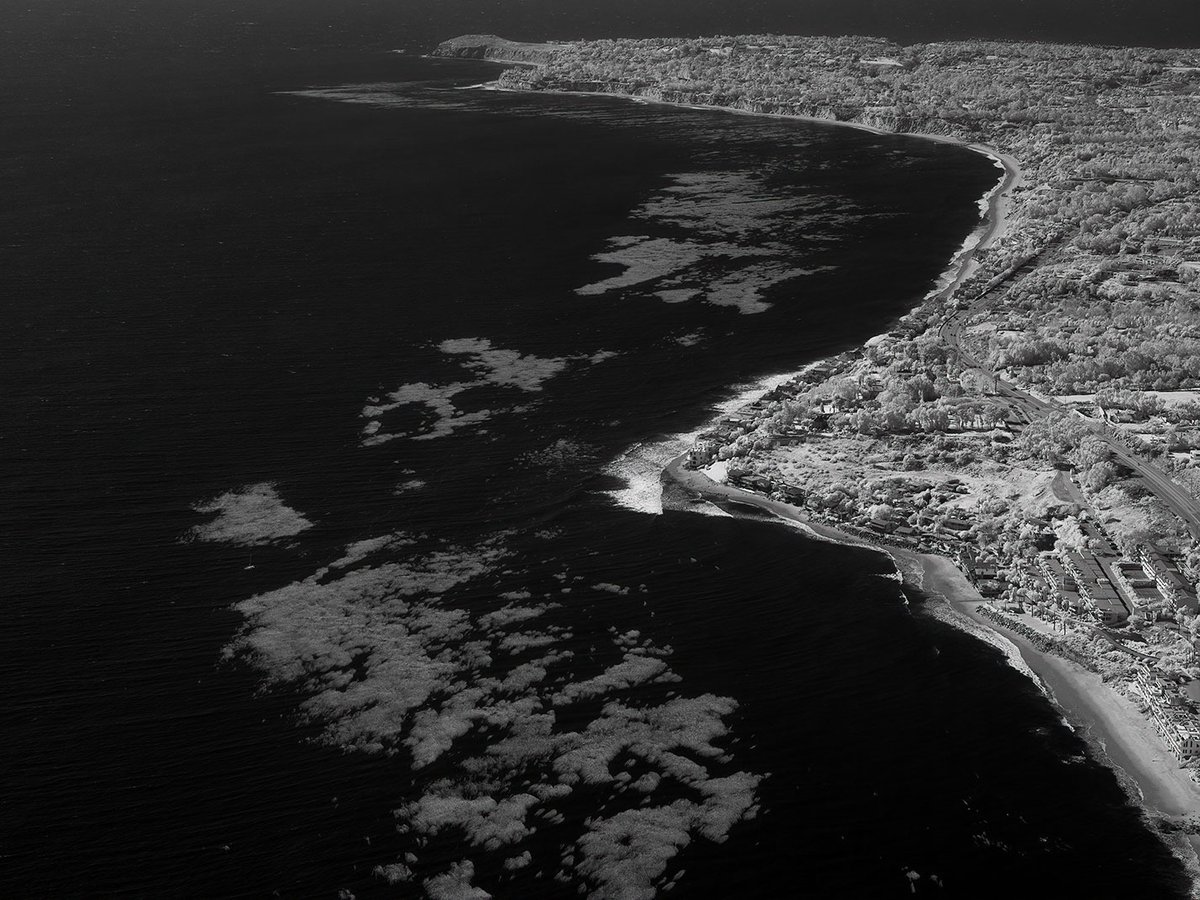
{"type": "Point", "coordinates": [1175, 724]}
{"type": "Point", "coordinates": [1094, 583]}
{"type": "Point", "coordinates": [1131, 580]}
{"type": "Point", "coordinates": [1063, 588]}
{"type": "Point", "coordinates": [1110, 588]}
{"type": "Point", "coordinates": [750, 481]}
{"type": "Point", "coordinates": [1167, 577]}
{"type": "Point", "coordinates": [931, 536]}
{"type": "Point", "coordinates": [982, 570]}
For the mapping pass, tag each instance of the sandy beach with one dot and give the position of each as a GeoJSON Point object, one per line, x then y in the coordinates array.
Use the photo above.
{"type": "Point", "coordinates": [1111, 722]}
{"type": "Point", "coordinates": [1117, 733]}
{"type": "Point", "coordinates": [998, 200]}
{"type": "Point", "coordinates": [1120, 735]}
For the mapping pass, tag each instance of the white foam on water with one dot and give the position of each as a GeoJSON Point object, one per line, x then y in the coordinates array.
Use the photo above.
{"type": "Point", "coordinates": [706, 508]}
{"type": "Point", "coordinates": [751, 392]}
{"type": "Point", "coordinates": [946, 613]}
{"type": "Point", "coordinates": [955, 269]}
{"type": "Point", "coordinates": [641, 465]}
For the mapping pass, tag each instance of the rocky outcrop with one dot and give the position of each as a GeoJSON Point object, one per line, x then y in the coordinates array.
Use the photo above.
{"type": "Point", "coordinates": [496, 49]}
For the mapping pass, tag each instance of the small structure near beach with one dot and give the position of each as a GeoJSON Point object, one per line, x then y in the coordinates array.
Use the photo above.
{"type": "Point", "coordinates": [1096, 587]}
{"type": "Point", "coordinates": [1178, 728]}
{"type": "Point", "coordinates": [1166, 575]}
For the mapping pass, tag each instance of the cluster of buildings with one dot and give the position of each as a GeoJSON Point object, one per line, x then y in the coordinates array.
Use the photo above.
{"type": "Point", "coordinates": [982, 570]}
{"type": "Point", "coordinates": [1099, 583]}
{"type": "Point", "coordinates": [944, 531]}
{"type": "Point", "coordinates": [1095, 586]}
{"type": "Point", "coordinates": [1168, 709]}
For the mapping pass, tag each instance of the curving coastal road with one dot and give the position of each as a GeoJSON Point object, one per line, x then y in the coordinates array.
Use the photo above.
{"type": "Point", "coordinates": [1029, 408]}
{"type": "Point", "coordinates": [1020, 404]}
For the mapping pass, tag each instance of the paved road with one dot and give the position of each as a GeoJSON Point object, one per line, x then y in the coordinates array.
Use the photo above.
{"type": "Point", "coordinates": [1066, 489]}
{"type": "Point", "coordinates": [1176, 498]}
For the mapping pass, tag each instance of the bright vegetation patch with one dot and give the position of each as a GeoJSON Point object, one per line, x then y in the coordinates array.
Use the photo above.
{"type": "Point", "coordinates": [1107, 138]}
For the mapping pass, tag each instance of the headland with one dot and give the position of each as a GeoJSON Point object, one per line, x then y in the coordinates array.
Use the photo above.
{"type": "Point", "coordinates": [1023, 442]}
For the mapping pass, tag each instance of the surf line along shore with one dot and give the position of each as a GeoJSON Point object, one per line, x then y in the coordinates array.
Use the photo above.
{"type": "Point", "coordinates": [1118, 734]}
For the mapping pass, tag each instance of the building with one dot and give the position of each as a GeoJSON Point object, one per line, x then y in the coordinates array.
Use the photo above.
{"type": "Point", "coordinates": [1064, 590]}
{"type": "Point", "coordinates": [989, 587]}
{"type": "Point", "coordinates": [1095, 587]}
{"type": "Point", "coordinates": [871, 382]}
{"type": "Point", "coordinates": [791, 493]}
{"type": "Point", "coordinates": [1170, 581]}
{"type": "Point", "coordinates": [1178, 728]}
{"type": "Point", "coordinates": [1133, 583]}
{"type": "Point", "coordinates": [751, 482]}
{"type": "Point", "coordinates": [703, 452]}
{"type": "Point", "coordinates": [980, 571]}
{"type": "Point", "coordinates": [987, 569]}
{"type": "Point", "coordinates": [955, 525]}
{"type": "Point", "coordinates": [1180, 732]}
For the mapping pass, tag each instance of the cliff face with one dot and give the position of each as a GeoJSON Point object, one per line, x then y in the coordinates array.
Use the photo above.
{"type": "Point", "coordinates": [497, 49]}
{"type": "Point", "coordinates": [885, 118]}
{"type": "Point", "coordinates": [882, 119]}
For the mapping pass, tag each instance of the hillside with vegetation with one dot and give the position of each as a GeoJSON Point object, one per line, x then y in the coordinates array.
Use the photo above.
{"type": "Point", "coordinates": [1037, 422]}
{"type": "Point", "coordinates": [1107, 139]}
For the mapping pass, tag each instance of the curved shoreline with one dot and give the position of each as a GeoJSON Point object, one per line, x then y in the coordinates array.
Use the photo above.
{"type": "Point", "coordinates": [994, 219]}
{"type": "Point", "coordinates": [992, 226]}
{"type": "Point", "coordinates": [994, 204]}
{"type": "Point", "coordinates": [1118, 735]}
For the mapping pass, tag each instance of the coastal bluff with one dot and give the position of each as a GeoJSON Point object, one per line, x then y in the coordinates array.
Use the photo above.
{"type": "Point", "coordinates": [496, 49]}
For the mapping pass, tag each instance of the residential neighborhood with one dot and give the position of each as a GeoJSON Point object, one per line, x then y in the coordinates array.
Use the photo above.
{"type": "Point", "coordinates": [886, 445]}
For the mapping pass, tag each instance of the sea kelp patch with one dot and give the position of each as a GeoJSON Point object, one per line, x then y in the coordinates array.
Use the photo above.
{"type": "Point", "coordinates": [484, 366]}
{"type": "Point", "coordinates": [250, 516]}
{"type": "Point", "coordinates": [551, 754]}
{"type": "Point", "coordinates": [728, 241]}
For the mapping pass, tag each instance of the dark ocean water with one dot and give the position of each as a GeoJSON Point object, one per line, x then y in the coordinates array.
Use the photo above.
{"type": "Point", "coordinates": [223, 243]}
